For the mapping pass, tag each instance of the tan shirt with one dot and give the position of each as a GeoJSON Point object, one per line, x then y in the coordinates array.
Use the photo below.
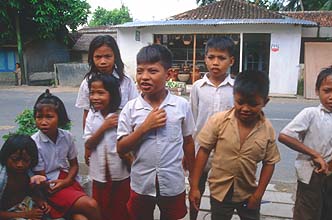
{"type": "Point", "coordinates": [232, 163]}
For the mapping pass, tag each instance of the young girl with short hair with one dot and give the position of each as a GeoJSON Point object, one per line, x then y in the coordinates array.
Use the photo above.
{"type": "Point", "coordinates": [18, 199]}
{"type": "Point", "coordinates": [58, 161]}
{"type": "Point", "coordinates": [110, 187]}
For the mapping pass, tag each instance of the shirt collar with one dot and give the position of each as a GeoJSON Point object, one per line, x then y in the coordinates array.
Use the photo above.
{"type": "Point", "coordinates": [45, 139]}
{"type": "Point", "coordinates": [322, 107]}
{"type": "Point", "coordinates": [169, 100]}
{"type": "Point", "coordinates": [227, 80]}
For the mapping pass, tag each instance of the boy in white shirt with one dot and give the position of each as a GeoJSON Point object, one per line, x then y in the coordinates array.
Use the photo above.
{"type": "Point", "coordinates": [157, 127]}
{"type": "Point", "coordinates": [213, 93]}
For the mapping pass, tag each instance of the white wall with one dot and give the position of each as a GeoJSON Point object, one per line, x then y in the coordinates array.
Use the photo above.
{"type": "Point", "coordinates": [284, 64]}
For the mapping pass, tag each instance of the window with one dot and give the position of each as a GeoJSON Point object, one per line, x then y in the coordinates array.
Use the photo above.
{"type": "Point", "coordinates": [7, 60]}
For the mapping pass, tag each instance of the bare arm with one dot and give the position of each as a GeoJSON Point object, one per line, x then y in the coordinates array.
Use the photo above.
{"type": "Point", "coordinates": [296, 145]}
{"type": "Point", "coordinates": [200, 162]}
{"type": "Point", "coordinates": [35, 213]}
{"type": "Point", "coordinates": [155, 119]}
{"type": "Point", "coordinates": [189, 154]}
{"type": "Point", "coordinates": [264, 179]}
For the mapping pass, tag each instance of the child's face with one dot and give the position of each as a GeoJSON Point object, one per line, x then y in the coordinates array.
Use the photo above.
{"type": "Point", "coordinates": [104, 59]}
{"type": "Point", "coordinates": [99, 97]}
{"type": "Point", "coordinates": [248, 109]}
{"type": "Point", "coordinates": [325, 93]}
{"type": "Point", "coordinates": [217, 62]}
{"type": "Point", "coordinates": [151, 77]}
{"type": "Point", "coordinates": [19, 162]}
{"type": "Point", "coordinates": [47, 121]}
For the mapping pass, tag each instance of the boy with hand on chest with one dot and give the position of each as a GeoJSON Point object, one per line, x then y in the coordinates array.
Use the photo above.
{"type": "Point", "coordinates": [157, 127]}
{"type": "Point", "coordinates": [241, 138]}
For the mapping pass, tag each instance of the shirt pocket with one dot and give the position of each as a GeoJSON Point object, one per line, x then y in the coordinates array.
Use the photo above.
{"type": "Point", "coordinates": [173, 130]}
{"type": "Point", "coordinates": [258, 150]}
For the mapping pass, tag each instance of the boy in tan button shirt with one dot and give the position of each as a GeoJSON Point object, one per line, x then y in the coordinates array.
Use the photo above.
{"type": "Point", "coordinates": [241, 137]}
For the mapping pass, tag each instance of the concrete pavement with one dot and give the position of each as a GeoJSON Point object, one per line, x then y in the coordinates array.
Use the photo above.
{"type": "Point", "coordinates": [278, 199]}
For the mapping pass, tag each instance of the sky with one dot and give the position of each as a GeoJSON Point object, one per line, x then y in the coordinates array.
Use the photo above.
{"type": "Point", "coordinates": [147, 10]}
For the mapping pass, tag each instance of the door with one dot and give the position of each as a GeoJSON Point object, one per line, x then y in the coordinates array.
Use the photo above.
{"type": "Point", "coordinates": [256, 52]}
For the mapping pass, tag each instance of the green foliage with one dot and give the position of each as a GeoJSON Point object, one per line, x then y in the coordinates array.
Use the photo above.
{"type": "Point", "coordinates": [44, 18]}
{"type": "Point", "coordinates": [172, 84]}
{"type": "Point", "coordinates": [26, 124]}
{"type": "Point", "coordinates": [101, 16]}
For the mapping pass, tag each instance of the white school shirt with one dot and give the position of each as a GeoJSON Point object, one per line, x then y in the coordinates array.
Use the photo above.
{"type": "Point", "coordinates": [207, 99]}
{"type": "Point", "coordinates": [53, 157]}
{"type": "Point", "coordinates": [312, 126]}
{"type": "Point", "coordinates": [127, 88]}
{"type": "Point", "coordinates": [105, 151]}
{"type": "Point", "coordinates": [160, 151]}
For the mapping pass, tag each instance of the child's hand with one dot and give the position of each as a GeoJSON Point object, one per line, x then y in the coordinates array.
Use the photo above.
{"type": "Point", "coordinates": [87, 154]}
{"type": "Point", "coordinates": [57, 185]}
{"type": "Point", "coordinates": [155, 119]}
{"type": "Point", "coordinates": [128, 158]}
{"type": "Point", "coordinates": [320, 163]}
{"type": "Point", "coordinates": [254, 202]}
{"type": "Point", "coordinates": [195, 198]}
{"type": "Point", "coordinates": [111, 121]}
{"type": "Point", "coordinates": [35, 213]}
{"type": "Point", "coordinates": [43, 205]}
{"type": "Point", "coordinates": [38, 179]}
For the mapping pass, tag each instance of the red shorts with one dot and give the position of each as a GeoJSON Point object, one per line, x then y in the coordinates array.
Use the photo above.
{"type": "Point", "coordinates": [112, 198]}
{"type": "Point", "coordinates": [141, 207]}
{"type": "Point", "coordinates": [64, 199]}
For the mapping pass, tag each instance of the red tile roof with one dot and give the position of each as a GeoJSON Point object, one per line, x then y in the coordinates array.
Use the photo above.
{"type": "Point", "coordinates": [324, 18]}
{"type": "Point", "coordinates": [228, 9]}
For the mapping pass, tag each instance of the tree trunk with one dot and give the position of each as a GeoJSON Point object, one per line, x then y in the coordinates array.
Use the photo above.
{"type": "Point", "coordinates": [19, 49]}
{"type": "Point", "coordinates": [301, 4]}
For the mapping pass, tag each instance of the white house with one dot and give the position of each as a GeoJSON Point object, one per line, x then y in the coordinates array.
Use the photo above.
{"type": "Point", "coordinates": [266, 40]}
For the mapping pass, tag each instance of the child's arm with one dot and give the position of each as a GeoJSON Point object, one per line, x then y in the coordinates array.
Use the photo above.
{"type": "Point", "coordinates": [96, 137]}
{"type": "Point", "coordinates": [200, 162]}
{"type": "Point", "coordinates": [35, 213]}
{"type": "Point", "coordinates": [264, 179]}
{"type": "Point", "coordinates": [189, 154]}
{"type": "Point", "coordinates": [322, 166]}
{"type": "Point", "coordinates": [155, 119]}
{"type": "Point", "coordinates": [56, 185]}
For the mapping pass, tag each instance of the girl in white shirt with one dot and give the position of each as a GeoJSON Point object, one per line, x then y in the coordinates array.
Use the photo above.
{"type": "Point", "coordinates": [104, 57]}
{"type": "Point", "coordinates": [110, 187]}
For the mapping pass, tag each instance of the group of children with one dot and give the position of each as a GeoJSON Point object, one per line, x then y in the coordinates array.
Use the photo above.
{"type": "Point", "coordinates": [140, 145]}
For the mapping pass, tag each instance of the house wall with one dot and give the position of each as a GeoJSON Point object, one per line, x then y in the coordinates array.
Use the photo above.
{"type": "Point", "coordinates": [40, 56]}
{"type": "Point", "coordinates": [310, 32]}
{"type": "Point", "coordinates": [284, 64]}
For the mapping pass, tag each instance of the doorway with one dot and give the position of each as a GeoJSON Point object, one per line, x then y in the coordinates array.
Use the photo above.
{"type": "Point", "coordinates": [256, 52]}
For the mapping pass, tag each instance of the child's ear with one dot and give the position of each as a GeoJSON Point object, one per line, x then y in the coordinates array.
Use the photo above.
{"type": "Point", "coordinates": [232, 61]}
{"type": "Point", "coordinates": [266, 101]}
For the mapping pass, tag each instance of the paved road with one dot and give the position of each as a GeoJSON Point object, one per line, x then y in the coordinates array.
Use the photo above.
{"type": "Point", "coordinates": [14, 100]}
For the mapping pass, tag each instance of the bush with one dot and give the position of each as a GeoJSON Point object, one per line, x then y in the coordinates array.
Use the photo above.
{"type": "Point", "coordinates": [26, 124]}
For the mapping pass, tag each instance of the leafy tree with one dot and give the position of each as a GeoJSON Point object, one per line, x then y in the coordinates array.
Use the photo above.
{"type": "Point", "coordinates": [22, 19]}
{"type": "Point", "coordinates": [101, 16]}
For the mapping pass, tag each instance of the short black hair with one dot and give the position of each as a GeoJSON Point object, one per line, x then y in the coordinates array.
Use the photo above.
{"type": "Point", "coordinates": [19, 142]}
{"type": "Point", "coordinates": [220, 43]}
{"type": "Point", "coordinates": [251, 82]}
{"type": "Point", "coordinates": [323, 74]}
{"type": "Point", "coordinates": [112, 85]}
{"type": "Point", "coordinates": [48, 99]}
{"type": "Point", "coordinates": [155, 53]}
